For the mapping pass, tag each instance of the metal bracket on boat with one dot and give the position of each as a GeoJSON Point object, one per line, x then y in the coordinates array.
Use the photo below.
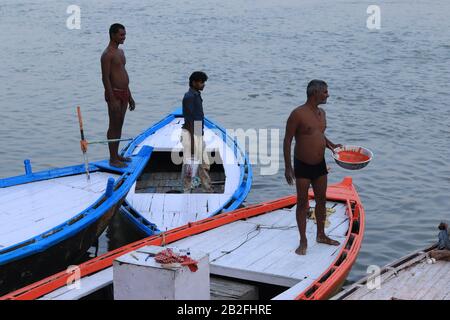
{"type": "Point", "coordinates": [109, 187]}
{"type": "Point", "coordinates": [394, 270]}
{"type": "Point", "coordinates": [28, 169]}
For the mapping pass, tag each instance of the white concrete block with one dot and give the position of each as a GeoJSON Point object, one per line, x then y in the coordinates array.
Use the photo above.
{"type": "Point", "coordinates": [137, 276]}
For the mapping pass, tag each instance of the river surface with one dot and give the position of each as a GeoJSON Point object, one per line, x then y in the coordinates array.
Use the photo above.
{"type": "Point", "coordinates": [389, 91]}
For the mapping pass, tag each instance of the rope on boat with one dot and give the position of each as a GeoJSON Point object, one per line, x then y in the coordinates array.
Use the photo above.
{"type": "Point", "coordinates": [247, 239]}
{"type": "Point", "coordinates": [167, 257]}
{"type": "Point", "coordinates": [257, 229]}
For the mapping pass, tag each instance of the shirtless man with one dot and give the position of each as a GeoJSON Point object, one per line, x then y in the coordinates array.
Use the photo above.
{"type": "Point", "coordinates": [307, 123]}
{"type": "Point", "coordinates": [117, 94]}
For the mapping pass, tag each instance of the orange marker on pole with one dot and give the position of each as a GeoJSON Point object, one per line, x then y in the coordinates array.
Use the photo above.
{"type": "Point", "coordinates": [83, 143]}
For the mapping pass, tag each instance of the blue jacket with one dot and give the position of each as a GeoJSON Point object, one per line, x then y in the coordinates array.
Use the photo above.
{"type": "Point", "coordinates": [193, 109]}
{"type": "Point", "coordinates": [444, 241]}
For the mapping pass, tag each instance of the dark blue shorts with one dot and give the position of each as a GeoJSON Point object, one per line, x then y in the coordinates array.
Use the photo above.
{"type": "Point", "coordinates": [309, 171]}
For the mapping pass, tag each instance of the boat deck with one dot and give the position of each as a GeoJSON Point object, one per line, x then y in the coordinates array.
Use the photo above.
{"type": "Point", "coordinates": [171, 210]}
{"type": "Point", "coordinates": [416, 280]}
{"type": "Point", "coordinates": [30, 209]}
{"type": "Point", "coordinates": [259, 249]}
{"type": "Point", "coordinates": [262, 248]}
{"type": "Point", "coordinates": [172, 182]}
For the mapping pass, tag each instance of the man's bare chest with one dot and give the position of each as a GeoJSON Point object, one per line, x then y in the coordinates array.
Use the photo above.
{"type": "Point", "coordinates": [312, 124]}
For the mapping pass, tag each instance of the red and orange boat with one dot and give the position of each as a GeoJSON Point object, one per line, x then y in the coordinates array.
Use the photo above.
{"type": "Point", "coordinates": [254, 245]}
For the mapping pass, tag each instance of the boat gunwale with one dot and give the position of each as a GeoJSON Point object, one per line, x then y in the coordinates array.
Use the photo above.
{"type": "Point", "coordinates": [335, 192]}
{"type": "Point", "coordinates": [338, 271]}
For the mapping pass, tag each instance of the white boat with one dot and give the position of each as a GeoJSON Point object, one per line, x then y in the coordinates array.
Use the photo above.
{"type": "Point", "coordinates": [156, 202]}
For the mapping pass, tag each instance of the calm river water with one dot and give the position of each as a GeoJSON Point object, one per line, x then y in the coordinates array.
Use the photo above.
{"type": "Point", "coordinates": [389, 91]}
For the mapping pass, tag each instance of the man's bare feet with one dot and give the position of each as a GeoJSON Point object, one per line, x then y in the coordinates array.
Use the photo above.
{"type": "Point", "coordinates": [117, 164]}
{"type": "Point", "coordinates": [301, 250]}
{"type": "Point", "coordinates": [326, 240]}
{"type": "Point", "coordinates": [124, 159]}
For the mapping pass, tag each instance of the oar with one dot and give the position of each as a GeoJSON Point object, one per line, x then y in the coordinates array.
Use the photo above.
{"type": "Point", "coordinates": [83, 143]}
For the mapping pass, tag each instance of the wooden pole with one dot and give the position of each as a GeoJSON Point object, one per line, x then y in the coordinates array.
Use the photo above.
{"type": "Point", "coordinates": [83, 143]}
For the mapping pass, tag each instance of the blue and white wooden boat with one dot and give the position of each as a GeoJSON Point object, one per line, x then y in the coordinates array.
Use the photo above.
{"type": "Point", "coordinates": [156, 202]}
{"type": "Point", "coordinates": [51, 218]}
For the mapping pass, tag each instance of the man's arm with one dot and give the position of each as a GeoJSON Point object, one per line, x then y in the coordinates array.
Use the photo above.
{"type": "Point", "coordinates": [188, 110]}
{"type": "Point", "coordinates": [132, 104]}
{"type": "Point", "coordinates": [330, 145]}
{"type": "Point", "coordinates": [288, 136]}
{"type": "Point", "coordinates": [106, 72]}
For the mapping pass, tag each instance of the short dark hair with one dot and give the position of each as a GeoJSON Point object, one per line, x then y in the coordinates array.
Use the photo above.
{"type": "Point", "coordinates": [115, 28]}
{"type": "Point", "coordinates": [197, 76]}
{"type": "Point", "coordinates": [441, 226]}
{"type": "Point", "coordinates": [314, 86]}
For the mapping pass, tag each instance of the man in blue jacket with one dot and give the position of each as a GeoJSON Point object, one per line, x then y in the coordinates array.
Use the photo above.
{"type": "Point", "coordinates": [192, 134]}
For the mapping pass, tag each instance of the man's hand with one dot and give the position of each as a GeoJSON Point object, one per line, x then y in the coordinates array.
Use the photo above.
{"type": "Point", "coordinates": [132, 104]}
{"type": "Point", "coordinates": [290, 176]}
{"type": "Point", "coordinates": [334, 146]}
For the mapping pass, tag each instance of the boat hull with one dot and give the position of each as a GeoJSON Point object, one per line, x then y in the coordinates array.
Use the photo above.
{"type": "Point", "coordinates": [19, 273]}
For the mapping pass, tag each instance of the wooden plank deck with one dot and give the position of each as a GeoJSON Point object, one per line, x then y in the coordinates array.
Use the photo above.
{"type": "Point", "coordinates": [419, 281]}
{"type": "Point", "coordinates": [31, 209]}
{"type": "Point", "coordinates": [268, 257]}
{"type": "Point", "coordinates": [262, 248]}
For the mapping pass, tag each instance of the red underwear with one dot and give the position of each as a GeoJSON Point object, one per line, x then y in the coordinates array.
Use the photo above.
{"type": "Point", "coordinates": [122, 94]}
